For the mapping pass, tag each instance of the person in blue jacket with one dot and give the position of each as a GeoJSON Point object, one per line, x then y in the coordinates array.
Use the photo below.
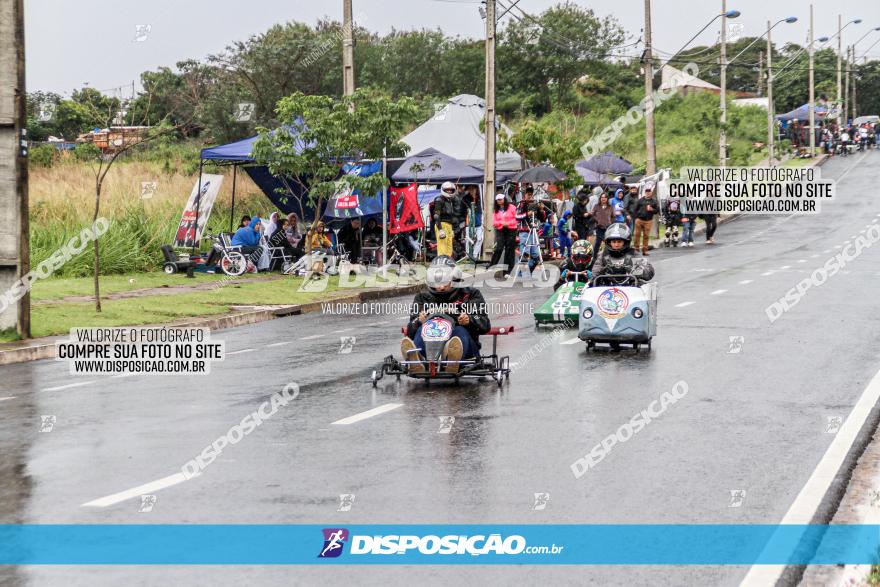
{"type": "Point", "coordinates": [248, 237]}
{"type": "Point", "coordinates": [564, 233]}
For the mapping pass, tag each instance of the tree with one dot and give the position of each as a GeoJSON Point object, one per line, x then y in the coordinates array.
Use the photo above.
{"type": "Point", "coordinates": [321, 133]}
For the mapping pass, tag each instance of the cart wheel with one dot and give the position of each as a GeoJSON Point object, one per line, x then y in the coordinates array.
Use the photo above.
{"type": "Point", "coordinates": [636, 346]}
{"type": "Point", "coordinates": [499, 378]}
{"type": "Point", "coordinates": [456, 380]}
{"type": "Point", "coordinates": [649, 345]}
{"type": "Point", "coordinates": [398, 377]}
{"type": "Point", "coordinates": [615, 346]}
{"type": "Point", "coordinates": [591, 344]}
{"type": "Point", "coordinates": [169, 268]}
{"type": "Point", "coordinates": [375, 379]}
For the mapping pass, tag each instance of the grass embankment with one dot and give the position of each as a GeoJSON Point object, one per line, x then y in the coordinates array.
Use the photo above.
{"type": "Point", "coordinates": [53, 312]}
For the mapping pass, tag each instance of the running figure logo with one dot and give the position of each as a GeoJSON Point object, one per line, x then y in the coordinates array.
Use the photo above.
{"type": "Point", "coordinates": [47, 423]}
{"type": "Point", "coordinates": [834, 424]}
{"type": "Point", "coordinates": [346, 344]}
{"type": "Point", "coordinates": [346, 500]}
{"type": "Point", "coordinates": [737, 496]}
{"type": "Point", "coordinates": [334, 540]}
{"type": "Point", "coordinates": [147, 503]}
{"type": "Point", "coordinates": [736, 344]}
{"type": "Point", "coordinates": [541, 501]}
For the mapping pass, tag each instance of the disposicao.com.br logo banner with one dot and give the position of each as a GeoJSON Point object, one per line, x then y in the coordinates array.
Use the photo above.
{"type": "Point", "coordinates": [245, 544]}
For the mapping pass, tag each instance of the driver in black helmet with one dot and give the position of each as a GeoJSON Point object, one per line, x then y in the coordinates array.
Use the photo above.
{"type": "Point", "coordinates": [616, 262]}
{"type": "Point", "coordinates": [445, 294]}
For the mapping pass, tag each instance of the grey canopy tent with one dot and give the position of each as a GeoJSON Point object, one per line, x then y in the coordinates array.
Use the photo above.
{"type": "Point", "coordinates": [455, 130]}
{"type": "Point", "coordinates": [430, 166]}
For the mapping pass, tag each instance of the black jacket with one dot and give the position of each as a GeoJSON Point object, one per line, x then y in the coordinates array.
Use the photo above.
{"type": "Point", "coordinates": [641, 208]}
{"type": "Point", "coordinates": [448, 209]}
{"type": "Point", "coordinates": [351, 238]}
{"type": "Point", "coordinates": [461, 300]}
{"type": "Point", "coordinates": [608, 264]}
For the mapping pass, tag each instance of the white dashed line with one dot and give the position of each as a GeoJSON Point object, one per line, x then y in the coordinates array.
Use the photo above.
{"type": "Point", "coordinates": [683, 304]}
{"type": "Point", "coordinates": [802, 260]}
{"type": "Point", "coordinates": [574, 340]}
{"type": "Point", "coordinates": [146, 488]}
{"type": "Point", "coordinates": [368, 414]}
{"type": "Point", "coordinates": [766, 273]}
{"type": "Point", "coordinates": [785, 267]}
{"type": "Point", "coordinates": [745, 282]}
{"type": "Point", "coordinates": [240, 352]}
{"type": "Point", "coordinates": [69, 385]}
{"type": "Point", "coordinates": [3, 399]}
{"type": "Point", "coordinates": [122, 376]}
{"type": "Point", "coordinates": [813, 256]}
{"type": "Point", "coordinates": [312, 337]}
{"type": "Point", "coordinates": [342, 330]}
{"type": "Point", "coordinates": [280, 343]}
{"type": "Point", "coordinates": [717, 292]}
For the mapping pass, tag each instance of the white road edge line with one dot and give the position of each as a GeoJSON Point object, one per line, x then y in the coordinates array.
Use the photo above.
{"type": "Point", "coordinates": [280, 343]}
{"type": "Point", "coordinates": [717, 292]}
{"type": "Point", "coordinates": [810, 497]}
{"type": "Point", "coordinates": [368, 414]}
{"type": "Point", "coordinates": [683, 304]}
{"type": "Point", "coordinates": [240, 352]}
{"type": "Point", "coordinates": [146, 488]}
{"type": "Point", "coordinates": [312, 337]}
{"type": "Point", "coordinates": [68, 386]}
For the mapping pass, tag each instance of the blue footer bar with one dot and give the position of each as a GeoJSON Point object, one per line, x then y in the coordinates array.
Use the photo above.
{"type": "Point", "coordinates": [245, 544]}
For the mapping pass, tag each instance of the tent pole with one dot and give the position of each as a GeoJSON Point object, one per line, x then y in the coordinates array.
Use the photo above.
{"type": "Point", "coordinates": [384, 208]}
{"type": "Point", "coordinates": [198, 204]}
{"type": "Point", "coordinates": [232, 212]}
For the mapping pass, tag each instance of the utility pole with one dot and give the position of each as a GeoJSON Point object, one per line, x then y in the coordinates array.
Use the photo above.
{"type": "Point", "coordinates": [760, 72]}
{"type": "Point", "coordinates": [839, 81]}
{"type": "Point", "coordinates": [14, 243]}
{"type": "Point", "coordinates": [812, 92]}
{"type": "Point", "coordinates": [852, 67]}
{"type": "Point", "coordinates": [347, 49]}
{"type": "Point", "coordinates": [489, 166]}
{"type": "Point", "coordinates": [650, 144]}
{"type": "Point", "coordinates": [846, 104]}
{"type": "Point", "coordinates": [722, 143]}
{"type": "Point", "coordinates": [771, 123]}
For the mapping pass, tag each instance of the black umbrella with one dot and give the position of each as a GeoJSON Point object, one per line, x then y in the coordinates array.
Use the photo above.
{"type": "Point", "coordinates": [607, 163]}
{"type": "Point", "coordinates": [539, 174]}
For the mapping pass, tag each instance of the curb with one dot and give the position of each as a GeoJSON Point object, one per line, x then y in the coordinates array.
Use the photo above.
{"type": "Point", "coordinates": [36, 349]}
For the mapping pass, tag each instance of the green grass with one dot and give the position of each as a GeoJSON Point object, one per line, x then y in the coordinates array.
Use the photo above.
{"type": "Point", "coordinates": [58, 318]}
{"type": "Point", "coordinates": [799, 162]}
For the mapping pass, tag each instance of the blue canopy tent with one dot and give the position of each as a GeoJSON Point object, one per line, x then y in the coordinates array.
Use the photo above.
{"type": "Point", "coordinates": [802, 113]}
{"type": "Point", "coordinates": [286, 192]}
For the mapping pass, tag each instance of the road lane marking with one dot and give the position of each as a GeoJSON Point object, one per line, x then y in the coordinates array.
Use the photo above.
{"type": "Point", "coordinates": [766, 273]}
{"type": "Point", "coordinates": [813, 256]}
{"type": "Point", "coordinates": [802, 260]}
{"type": "Point", "coordinates": [368, 414]}
{"type": "Point", "coordinates": [810, 497]}
{"type": "Point", "coordinates": [122, 376]}
{"type": "Point", "coordinates": [144, 489]}
{"type": "Point", "coordinates": [68, 386]}
{"type": "Point", "coordinates": [827, 251]}
{"type": "Point", "coordinates": [280, 343]}
{"type": "Point", "coordinates": [745, 282]}
{"type": "Point", "coordinates": [785, 267]}
{"type": "Point", "coordinates": [240, 352]}
{"type": "Point", "coordinates": [3, 399]}
{"type": "Point", "coordinates": [312, 337]}
{"type": "Point", "coordinates": [718, 292]}
{"type": "Point", "coordinates": [574, 340]}
{"type": "Point", "coordinates": [342, 330]}
{"type": "Point", "coordinates": [683, 304]}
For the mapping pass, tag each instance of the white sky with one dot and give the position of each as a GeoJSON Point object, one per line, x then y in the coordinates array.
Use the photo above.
{"type": "Point", "coordinates": [73, 42]}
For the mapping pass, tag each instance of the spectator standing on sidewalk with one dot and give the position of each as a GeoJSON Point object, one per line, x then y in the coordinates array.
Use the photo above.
{"type": "Point", "coordinates": [711, 221]}
{"type": "Point", "coordinates": [645, 210]}
{"type": "Point", "coordinates": [687, 229]}
{"type": "Point", "coordinates": [603, 214]}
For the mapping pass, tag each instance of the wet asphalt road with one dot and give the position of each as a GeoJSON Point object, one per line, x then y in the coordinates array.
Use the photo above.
{"type": "Point", "coordinates": [754, 421]}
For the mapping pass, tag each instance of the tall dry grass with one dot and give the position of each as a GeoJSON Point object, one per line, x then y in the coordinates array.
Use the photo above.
{"type": "Point", "coordinates": [62, 201]}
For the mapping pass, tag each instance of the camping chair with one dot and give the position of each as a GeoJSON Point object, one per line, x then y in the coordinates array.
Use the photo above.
{"type": "Point", "coordinates": [276, 253]}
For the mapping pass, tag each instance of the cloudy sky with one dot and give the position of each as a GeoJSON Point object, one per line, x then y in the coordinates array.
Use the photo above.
{"type": "Point", "coordinates": [93, 41]}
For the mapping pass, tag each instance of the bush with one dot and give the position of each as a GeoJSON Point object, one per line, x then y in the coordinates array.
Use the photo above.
{"type": "Point", "coordinates": [42, 155]}
{"type": "Point", "coordinates": [86, 152]}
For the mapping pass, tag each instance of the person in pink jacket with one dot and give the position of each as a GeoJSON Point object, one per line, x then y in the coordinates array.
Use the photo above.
{"type": "Point", "coordinates": [504, 221]}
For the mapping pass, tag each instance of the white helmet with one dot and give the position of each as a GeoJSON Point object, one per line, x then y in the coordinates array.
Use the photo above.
{"type": "Point", "coordinates": [448, 188]}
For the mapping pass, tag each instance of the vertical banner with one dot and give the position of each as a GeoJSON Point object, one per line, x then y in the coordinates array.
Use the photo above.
{"type": "Point", "coordinates": [405, 212]}
{"type": "Point", "coordinates": [188, 235]}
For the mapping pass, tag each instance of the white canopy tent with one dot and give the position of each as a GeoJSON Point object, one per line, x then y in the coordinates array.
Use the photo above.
{"type": "Point", "coordinates": [455, 130]}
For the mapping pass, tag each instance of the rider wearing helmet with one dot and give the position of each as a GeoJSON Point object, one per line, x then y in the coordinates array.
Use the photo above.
{"type": "Point", "coordinates": [446, 218]}
{"type": "Point", "coordinates": [577, 266]}
{"type": "Point", "coordinates": [444, 293]}
{"type": "Point", "coordinates": [616, 259]}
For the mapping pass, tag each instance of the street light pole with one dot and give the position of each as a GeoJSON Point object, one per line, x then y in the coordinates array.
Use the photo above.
{"type": "Point", "coordinates": [839, 80]}
{"type": "Point", "coordinates": [489, 163]}
{"type": "Point", "coordinates": [650, 143]}
{"type": "Point", "coordinates": [770, 121]}
{"type": "Point", "coordinates": [347, 49]}
{"type": "Point", "coordinates": [722, 143]}
{"type": "Point", "coordinates": [812, 91]}
{"type": "Point", "coordinates": [846, 104]}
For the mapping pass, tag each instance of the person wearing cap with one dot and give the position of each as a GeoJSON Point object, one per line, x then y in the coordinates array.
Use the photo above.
{"type": "Point", "coordinates": [504, 221]}
{"type": "Point", "coordinates": [446, 217]}
{"type": "Point", "coordinates": [645, 210]}
{"type": "Point", "coordinates": [526, 216]}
